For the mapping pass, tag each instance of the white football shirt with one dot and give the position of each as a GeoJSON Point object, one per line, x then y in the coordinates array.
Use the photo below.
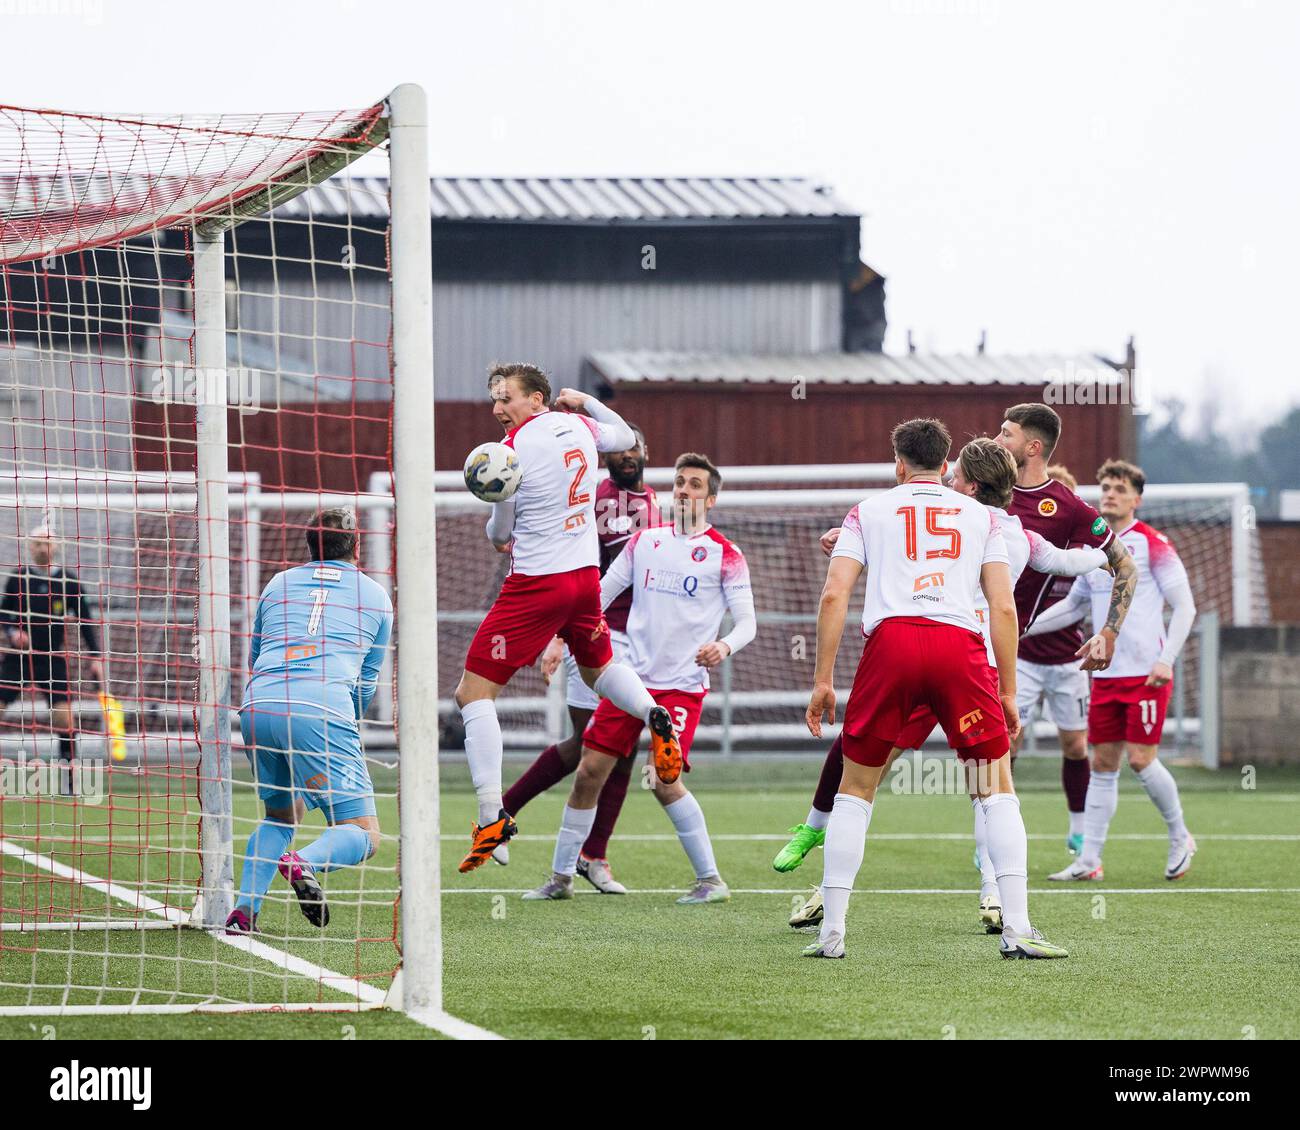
{"type": "Point", "coordinates": [1142, 639]}
{"type": "Point", "coordinates": [555, 523]}
{"type": "Point", "coordinates": [923, 546]}
{"type": "Point", "coordinates": [681, 586]}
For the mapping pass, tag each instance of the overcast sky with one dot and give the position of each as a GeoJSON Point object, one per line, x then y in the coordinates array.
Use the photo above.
{"type": "Point", "coordinates": [1061, 175]}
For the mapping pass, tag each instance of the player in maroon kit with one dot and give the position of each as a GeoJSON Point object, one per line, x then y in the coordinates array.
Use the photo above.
{"type": "Point", "coordinates": [624, 506]}
{"type": "Point", "coordinates": [1048, 666]}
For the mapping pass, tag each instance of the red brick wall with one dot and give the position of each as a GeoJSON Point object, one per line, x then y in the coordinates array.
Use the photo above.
{"type": "Point", "coordinates": [1280, 544]}
{"type": "Point", "coordinates": [843, 424]}
{"type": "Point", "coordinates": [308, 446]}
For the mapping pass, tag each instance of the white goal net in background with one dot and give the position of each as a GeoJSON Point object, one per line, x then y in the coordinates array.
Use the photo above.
{"type": "Point", "coordinates": [192, 363]}
{"type": "Point", "coordinates": [776, 515]}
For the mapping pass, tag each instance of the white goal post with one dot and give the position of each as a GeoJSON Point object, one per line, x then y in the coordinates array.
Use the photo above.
{"type": "Point", "coordinates": [188, 247]}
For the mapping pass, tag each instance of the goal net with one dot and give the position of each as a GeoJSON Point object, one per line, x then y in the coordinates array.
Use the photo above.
{"type": "Point", "coordinates": [202, 340]}
{"type": "Point", "coordinates": [776, 515]}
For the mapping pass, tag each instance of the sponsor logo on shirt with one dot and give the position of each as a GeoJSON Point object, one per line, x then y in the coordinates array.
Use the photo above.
{"type": "Point", "coordinates": [1047, 507]}
{"type": "Point", "coordinates": [324, 573]}
{"type": "Point", "coordinates": [299, 651]}
{"type": "Point", "coordinates": [928, 581]}
{"type": "Point", "coordinates": [1099, 526]}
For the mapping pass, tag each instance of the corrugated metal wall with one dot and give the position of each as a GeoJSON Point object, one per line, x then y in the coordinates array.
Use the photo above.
{"type": "Point", "coordinates": [558, 324]}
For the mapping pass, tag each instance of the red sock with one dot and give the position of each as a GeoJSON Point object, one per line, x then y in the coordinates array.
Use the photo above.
{"type": "Point", "coordinates": [829, 782]}
{"type": "Point", "coordinates": [612, 795]}
{"type": "Point", "coordinates": [546, 771]}
{"type": "Point", "coordinates": [1075, 776]}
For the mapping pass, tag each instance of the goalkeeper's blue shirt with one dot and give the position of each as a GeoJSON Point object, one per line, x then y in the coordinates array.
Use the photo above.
{"type": "Point", "coordinates": [319, 639]}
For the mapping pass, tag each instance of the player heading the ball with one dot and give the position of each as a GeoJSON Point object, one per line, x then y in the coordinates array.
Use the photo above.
{"type": "Point", "coordinates": [929, 553]}
{"type": "Point", "coordinates": [553, 589]}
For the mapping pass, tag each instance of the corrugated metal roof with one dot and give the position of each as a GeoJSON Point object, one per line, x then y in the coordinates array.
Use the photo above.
{"type": "Point", "coordinates": [584, 199]}
{"type": "Point", "coordinates": [653, 367]}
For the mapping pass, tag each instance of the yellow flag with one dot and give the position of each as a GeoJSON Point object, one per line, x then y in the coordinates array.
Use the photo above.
{"type": "Point", "coordinates": [115, 725]}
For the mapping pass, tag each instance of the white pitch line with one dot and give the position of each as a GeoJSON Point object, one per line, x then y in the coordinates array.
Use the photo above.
{"type": "Point", "coordinates": [362, 992]}
{"type": "Point", "coordinates": [766, 837]}
{"type": "Point", "coordinates": [760, 837]}
{"type": "Point", "coordinates": [1065, 889]}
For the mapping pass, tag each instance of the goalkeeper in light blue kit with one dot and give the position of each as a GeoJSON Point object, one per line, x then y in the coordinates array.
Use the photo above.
{"type": "Point", "coordinates": [318, 642]}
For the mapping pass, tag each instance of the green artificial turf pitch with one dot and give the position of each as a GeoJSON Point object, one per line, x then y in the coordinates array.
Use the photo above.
{"type": "Point", "coordinates": [1210, 956]}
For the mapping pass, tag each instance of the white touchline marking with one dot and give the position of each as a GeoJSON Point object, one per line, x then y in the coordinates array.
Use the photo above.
{"type": "Point", "coordinates": [740, 837]}
{"type": "Point", "coordinates": [364, 993]}
{"type": "Point", "coordinates": [967, 892]}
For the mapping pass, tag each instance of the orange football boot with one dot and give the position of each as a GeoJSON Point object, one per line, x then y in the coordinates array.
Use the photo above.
{"type": "Point", "coordinates": [664, 748]}
{"type": "Point", "coordinates": [487, 839]}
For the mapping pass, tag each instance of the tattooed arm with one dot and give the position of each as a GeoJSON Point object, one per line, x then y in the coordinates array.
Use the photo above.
{"type": "Point", "coordinates": [1100, 650]}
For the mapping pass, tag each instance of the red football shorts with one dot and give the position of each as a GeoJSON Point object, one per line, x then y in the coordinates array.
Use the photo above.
{"type": "Point", "coordinates": [912, 663]}
{"type": "Point", "coordinates": [615, 733]}
{"type": "Point", "coordinates": [1127, 710]}
{"type": "Point", "coordinates": [529, 612]}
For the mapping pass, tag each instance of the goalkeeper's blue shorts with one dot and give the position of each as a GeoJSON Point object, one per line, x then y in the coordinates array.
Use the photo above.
{"type": "Point", "coordinates": [298, 750]}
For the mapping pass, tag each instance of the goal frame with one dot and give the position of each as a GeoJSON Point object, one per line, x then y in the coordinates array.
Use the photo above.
{"type": "Point", "coordinates": [416, 988]}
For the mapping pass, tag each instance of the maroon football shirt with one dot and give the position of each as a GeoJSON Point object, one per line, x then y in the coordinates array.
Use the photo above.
{"type": "Point", "coordinates": [620, 514]}
{"type": "Point", "coordinates": [1055, 512]}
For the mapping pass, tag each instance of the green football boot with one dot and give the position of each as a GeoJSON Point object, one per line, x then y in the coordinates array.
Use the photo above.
{"type": "Point", "coordinates": [805, 838]}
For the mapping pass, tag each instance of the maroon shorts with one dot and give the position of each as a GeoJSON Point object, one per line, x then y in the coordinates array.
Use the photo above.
{"type": "Point", "coordinates": [912, 663]}
{"type": "Point", "coordinates": [613, 732]}
{"type": "Point", "coordinates": [1127, 710]}
{"type": "Point", "coordinates": [529, 612]}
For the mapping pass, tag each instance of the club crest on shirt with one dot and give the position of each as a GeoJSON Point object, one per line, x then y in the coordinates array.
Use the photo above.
{"type": "Point", "coordinates": [1047, 507]}
{"type": "Point", "coordinates": [699, 553]}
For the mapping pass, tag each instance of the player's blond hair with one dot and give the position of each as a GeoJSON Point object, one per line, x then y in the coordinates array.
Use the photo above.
{"type": "Point", "coordinates": [530, 378]}
{"type": "Point", "coordinates": [1122, 469]}
{"type": "Point", "coordinates": [1061, 473]}
{"type": "Point", "coordinates": [990, 466]}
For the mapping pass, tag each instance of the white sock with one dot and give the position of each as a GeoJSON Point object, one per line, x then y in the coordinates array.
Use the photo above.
{"type": "Point", "coordinates": [1009, 850]}
{"type": "Point", "coordinates": [988, 877]}
{"type": "Point", "coordinates": [817, 818]}
{"type": "Point", "coordinates": [483, 749]}
{"type": "Point", "coordinates": [623, 687]}
{"type": "Point", "coordinates": [1076, 823]}
{"type": "Point", "coordinates": [575, 827]}
{"type": "Point", "coordinates": [688, 819]}
{"type": "Point", "coordinates": [1163, 791]}
{"type": "Point", "coordinates": [1103, 799]}
{"type": "Point", "coordinates": [846, 840]}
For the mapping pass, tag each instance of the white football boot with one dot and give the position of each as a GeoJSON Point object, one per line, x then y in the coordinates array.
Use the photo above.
{"type": "Point", "coordinates": [556, 887]}
{"type": "Point", "coordinates": [1030, 945]}
{"type": "Point", "coordinates": [832, 946]}
{"type": "Point", "coordinates": [811, 913]}
{"type": "Point", "coordinates": [598, 874]}
{"type": "Point", "coordinates": [991, 914]}
{"type": "Point", "coordinates": [712, 889]}
{"type": "Point", "coordinates": [1180, 857]}
{"type": "Point", "coordinates": [501, 855]}
{"type": "Point", "coordinates": [1079, 871]}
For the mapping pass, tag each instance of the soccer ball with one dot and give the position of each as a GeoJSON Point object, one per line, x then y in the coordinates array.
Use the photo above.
{"type": "Point", "coordinates": [492, 472]}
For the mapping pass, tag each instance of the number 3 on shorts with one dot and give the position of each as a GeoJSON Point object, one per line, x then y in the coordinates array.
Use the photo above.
{"type": "Point", "coordinates": [679, 718]}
